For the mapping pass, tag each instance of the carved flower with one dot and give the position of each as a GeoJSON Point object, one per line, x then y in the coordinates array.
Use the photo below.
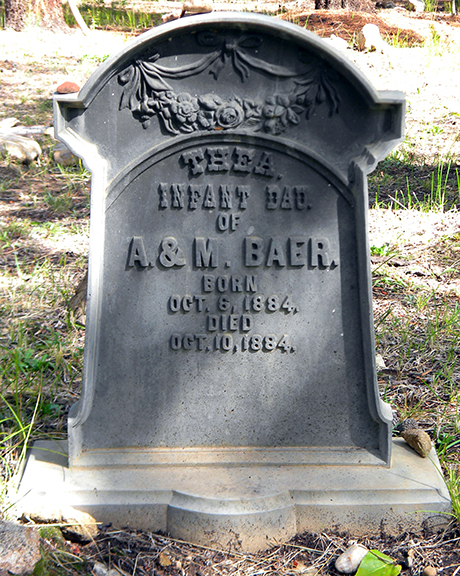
{"type": "Point", "coordinates": [206, 119]}
{"type": "Point", "coordinates": [185, 108]}
{"type": "Point", "coordinates": [210, 101]}
{"type": "Point", "coordinates": [230, 114]}
{"type": "Point", "coordinates": [278, 113]}
{"type": "Point", "coordinates": [276, 116]}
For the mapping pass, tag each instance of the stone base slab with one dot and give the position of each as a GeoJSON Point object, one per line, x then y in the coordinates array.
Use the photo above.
{"type": "Point", "coordinates": [246, 507]}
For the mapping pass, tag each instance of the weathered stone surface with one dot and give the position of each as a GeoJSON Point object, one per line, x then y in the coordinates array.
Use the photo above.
{"type": "Point", "coordinates": [235, 246]}
{"type": "Point", "coordinates": [229, 391]}
{"type": "Point", "coordinates": [19, 549]}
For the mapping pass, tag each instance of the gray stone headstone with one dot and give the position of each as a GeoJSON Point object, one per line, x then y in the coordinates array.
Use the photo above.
{"type": "Point", "coordinates": [229, 389]}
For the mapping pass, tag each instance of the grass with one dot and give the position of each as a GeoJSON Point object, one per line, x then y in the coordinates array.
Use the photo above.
{"type": "Point", "coordinates": [43, 254]}
{"type": "Point", "coordinates": [97, 15]}
{"type": "Point", "coordinates": [403, 182]}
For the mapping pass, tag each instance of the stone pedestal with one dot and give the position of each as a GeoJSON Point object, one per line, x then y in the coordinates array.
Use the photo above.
{"type": "Point", "coordinates": [247, 507]}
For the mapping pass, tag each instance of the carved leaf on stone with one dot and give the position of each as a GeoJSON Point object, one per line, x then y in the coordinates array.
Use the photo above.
{"type": "Point", "coordinates": [146, 92]}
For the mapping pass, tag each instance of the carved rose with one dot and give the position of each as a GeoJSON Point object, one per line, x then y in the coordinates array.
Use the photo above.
{"type": "Point", "coordinates": [229, 115]}
{"type": "Point", "coordinates": [185, 108]}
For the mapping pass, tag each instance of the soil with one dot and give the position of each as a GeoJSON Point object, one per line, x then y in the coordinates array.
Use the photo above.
{"type": "Point", "coordinates": [32, 65]}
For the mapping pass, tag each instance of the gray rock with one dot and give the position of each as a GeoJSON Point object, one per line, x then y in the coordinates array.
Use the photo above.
{"type": "Point", "coordinates": [19, 147]}
{"type": "Point", "coordinates": [369, 39]}
{"type": "Point", "coordinates": [62, 155]}
{"type": "Point", "coordinates": [348, 561]}
{"type": "Point", "coordinates": [415, 6]}
{"type": "Point", "coordinates": [19, 549]}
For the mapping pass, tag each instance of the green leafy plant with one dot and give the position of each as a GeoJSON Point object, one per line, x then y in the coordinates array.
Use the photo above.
{"type": "Point", "coordinates": [376, 563]}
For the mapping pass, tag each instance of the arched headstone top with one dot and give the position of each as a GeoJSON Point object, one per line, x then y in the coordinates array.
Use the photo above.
{"type": "Point", "coordinates": [235, 73]}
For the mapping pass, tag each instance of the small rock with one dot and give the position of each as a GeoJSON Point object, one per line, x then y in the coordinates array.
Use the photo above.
{"type": "Point", "coordinates": [386, 4]}
{"type": "Point", "coordinates": [197, 6]}
{"type": "Point", "coordinates": [419, 441]}
{"type": "Point", "coordinates": [164, 560]}
{"type": "Point", "coordinates": [7, 123]}
{"type": "Point", "coordinates": [415, 6]}
{"type": "Point", "coordinates": [43, 514]}
{"type": "Point", "coordinates": [62, 155]}
{"type": "Point", "coordinates": [410, 558]}
{"type": "Point", "coordinates": [19, 549]}
{"type": "Point", "coordinates": [81, 527]}
{"type": "Point", "coordinates": [369, 39]}
{"type": "Point", "coordinates": [380, 362]}
{"type": "Point", "coordinates": [67, 88]}
{"type": "Point", "coordinates": [19, 147]}
{"type": "Point", "coordinates": [174, 15]}
{"type": "Point", "coordinates": [429, 571]}
{"type": "Point", "coordinates": [100, 569]}
{"type": "Point", "coordinates": [348, 561]}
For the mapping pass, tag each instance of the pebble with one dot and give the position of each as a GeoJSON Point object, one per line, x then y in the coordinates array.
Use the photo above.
{"type": "Point", "coordinates": [63, 156]}
{"type": "Point", "coordinates": [410, 558]}
{"type": "Point", "coordinates": [419, 440]}
{"type": "Point", "coordinates": [100, 569]}
{"type": "Point", "coordinates": [67, 88]}
{"type": "Point", "coordinates": [429, 571]}
{"type": "Point", "coordinates": [369, 39]}
{"type": "Point", "coordinates": [348, 561]}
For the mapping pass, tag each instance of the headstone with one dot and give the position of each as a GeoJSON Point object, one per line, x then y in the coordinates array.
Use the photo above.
{"type": "Point", "coordinates": [229, 392]}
